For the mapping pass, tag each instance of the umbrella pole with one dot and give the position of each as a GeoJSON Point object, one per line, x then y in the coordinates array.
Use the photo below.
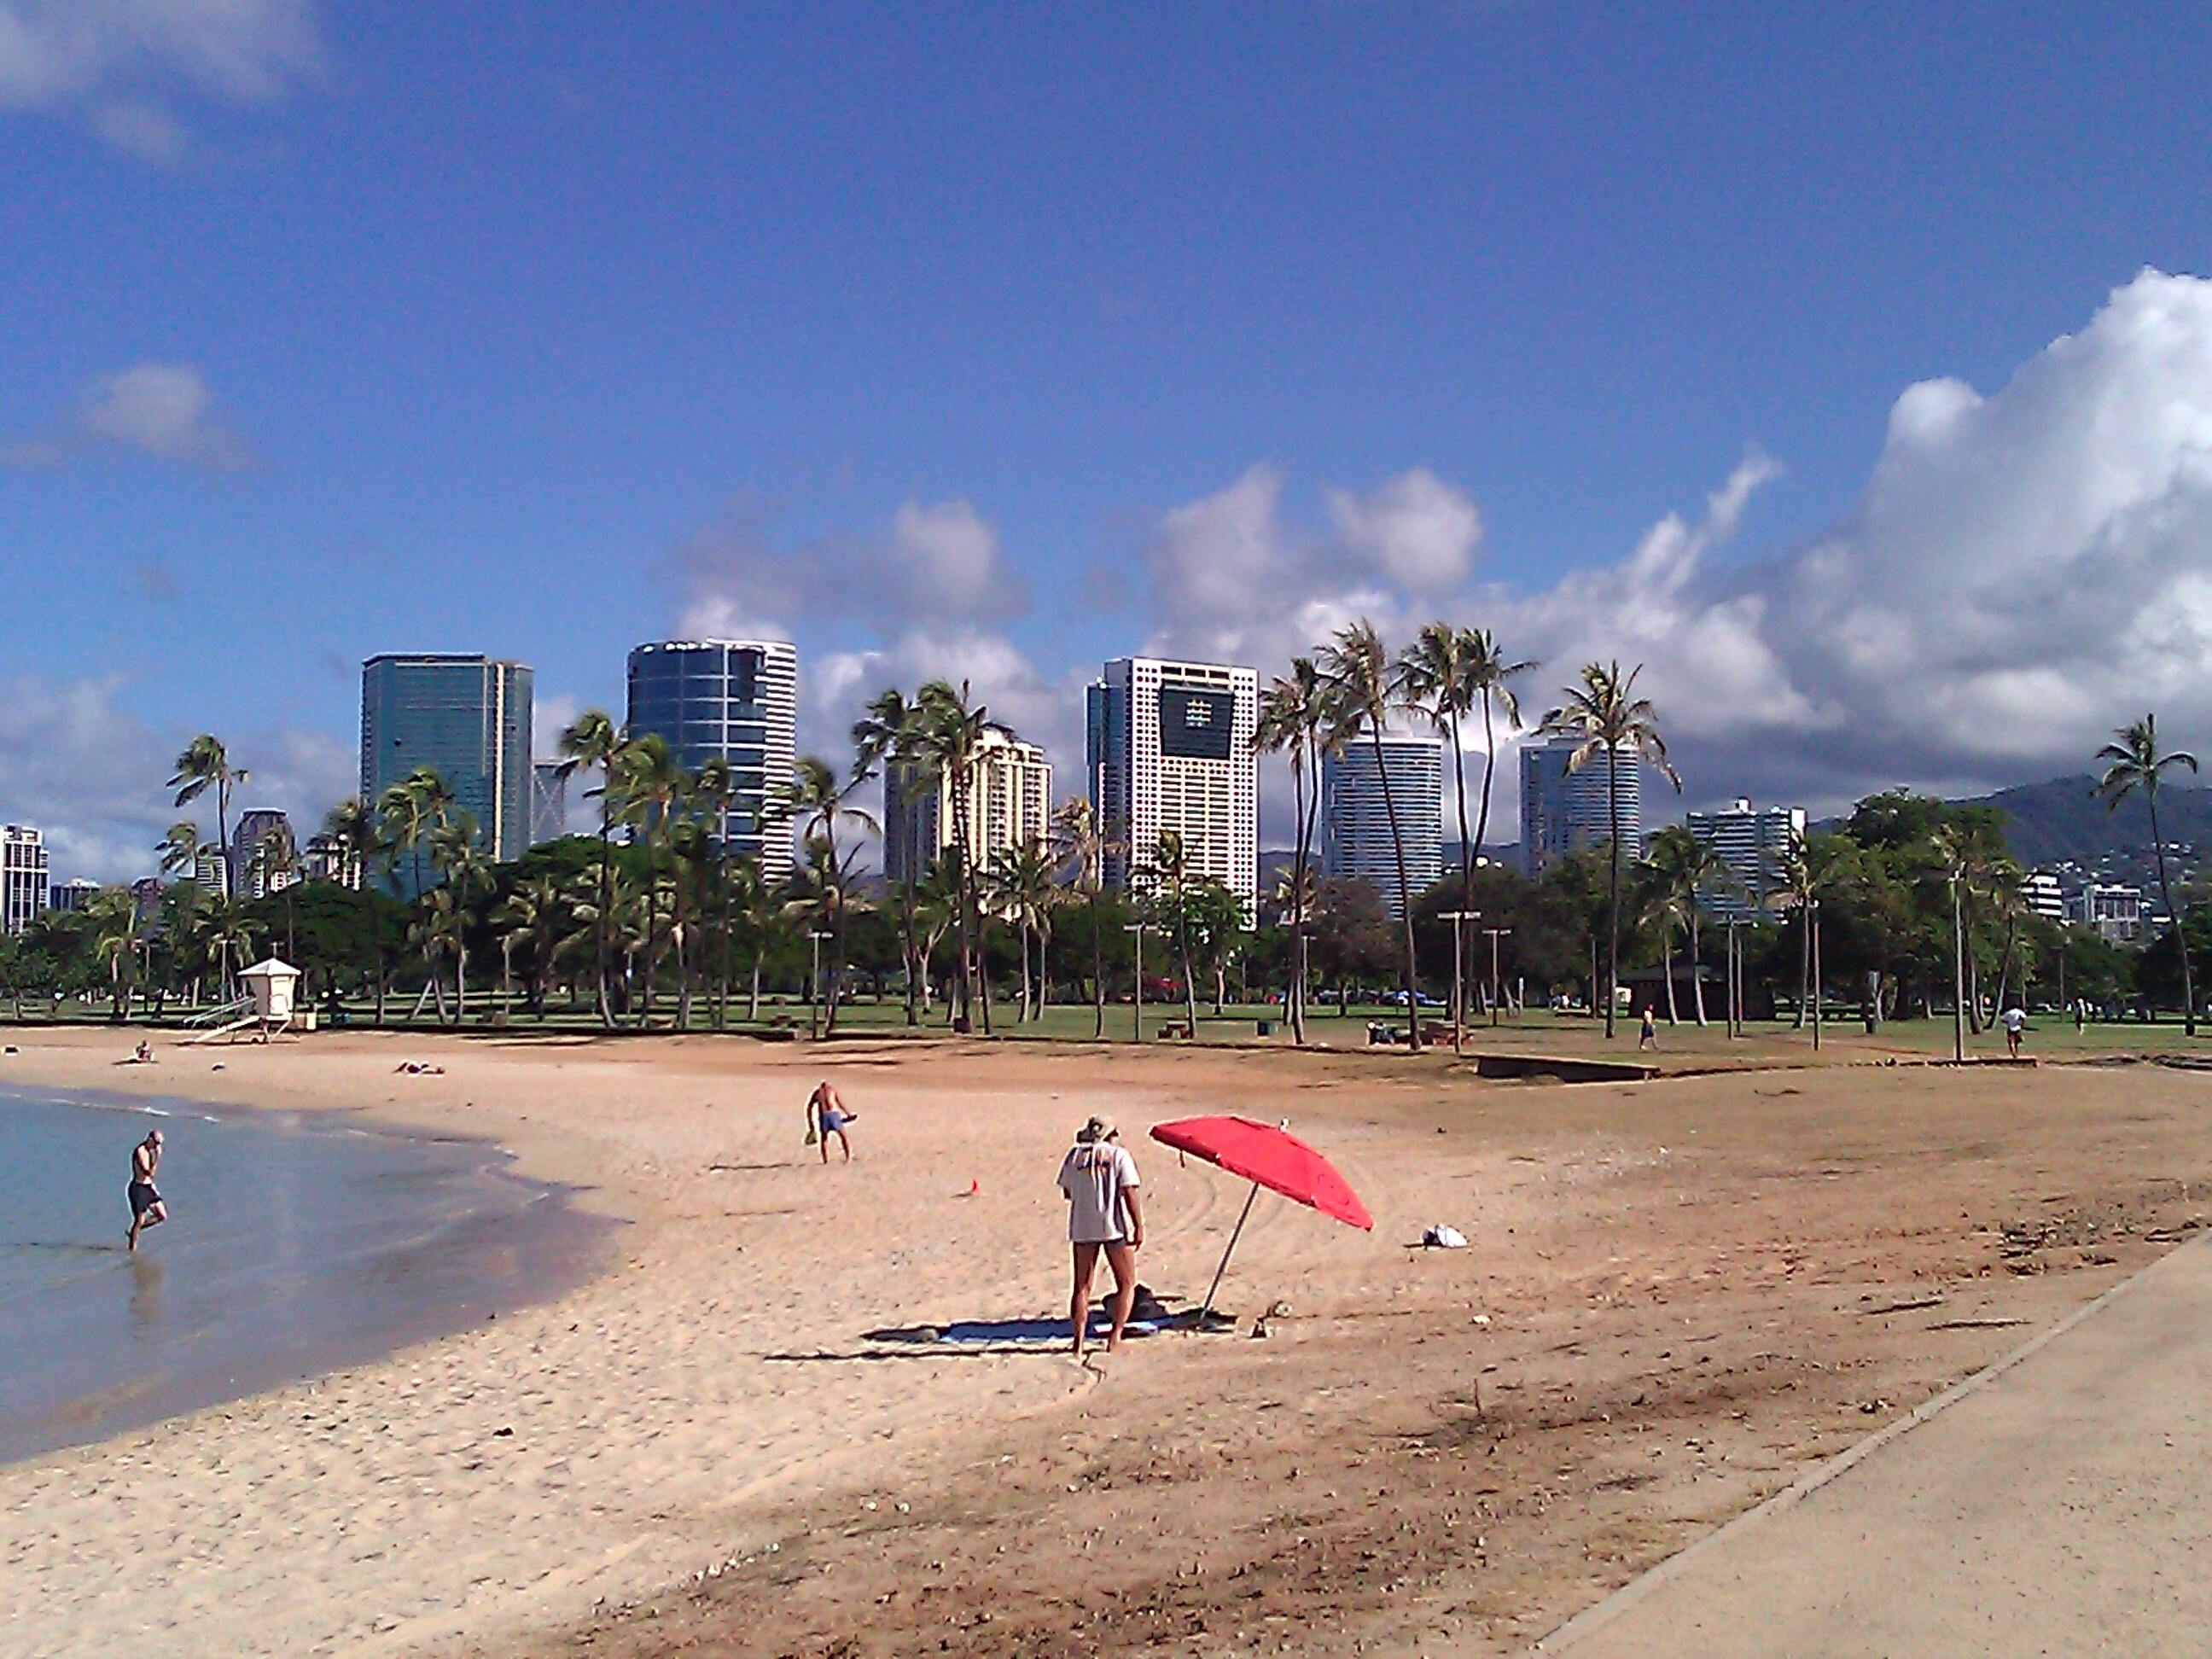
{"type": "Point", "coordinates": [1206, 1307]}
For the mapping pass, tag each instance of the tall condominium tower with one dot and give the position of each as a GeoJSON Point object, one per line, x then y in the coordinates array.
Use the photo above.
{"type": "Point", "coordinates": [249, 873]}
{"type": "Point", "coordinates": [1751, 841]}
{"type": "Point", "coordinates": [1009, 805]}
{"type": "Point", "coordinates": [1564, 812]}
{"type": "Point", "coordinates": [1355, 817]}
{"type": "Point", "coordinates": [23, 876]}
{"type": "Point", "coordinates": [468, 719]}
{"type": "Point", "coordinates": [1169, 747]}
{"type": "Point", "coordinates": [735, 699]}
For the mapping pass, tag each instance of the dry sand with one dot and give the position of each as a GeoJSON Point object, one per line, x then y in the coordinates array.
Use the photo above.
{"type": "Point", "coordinates": [1678, 1294]}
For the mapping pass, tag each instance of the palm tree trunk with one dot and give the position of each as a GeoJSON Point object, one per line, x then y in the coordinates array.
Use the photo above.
{"type": "Point", "coordinates": [752, 1008]}
{"type": "Point", "coordinates": [606, 895]}
{"type": "Point", "coordinates": [905, 938]}
{"type": "Point", "coordinates": [2181, 934]}
{"type": "Point", "coordinates": [1666, 967]}
{"type": "Point", "coordinates": [1097, 965]}
{"type": "Point", "coordinates": [460, 983]}
{"type": "Point", "coordinates": [1183, 949]}
{"type": "Point", "coordinates": [1804, 962]}
{"type": "Point", "coordinates": [1697, 969]}
{"type": "Point", "coordinates": [1022, 1008]}
{"type": "Point", "coordinates": [1612, 883]}
{"type": "Point", "coordinates": [1405, 887]}
{"type": "Point", "coordinates": [1465, 875]}
{"type": "Point", "coordinates": [1296, 997]}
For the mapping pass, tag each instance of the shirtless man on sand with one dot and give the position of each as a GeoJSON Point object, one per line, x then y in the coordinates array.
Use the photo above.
{"type": "Point", "coordinates": [826, 1115]}
{"type": "Point", "coordinates": [146, 1209]}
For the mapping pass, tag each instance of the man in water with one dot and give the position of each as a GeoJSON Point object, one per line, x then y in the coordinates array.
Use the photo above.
{"type": "Point", "coordinates": [826, 1115]}
{"type": "Point", "coordinates": [146, 1209]}
{"type": "Point", "coordinates": [1104, 1213]}
{"type": "Point", "coordinates": [2015, 1022]}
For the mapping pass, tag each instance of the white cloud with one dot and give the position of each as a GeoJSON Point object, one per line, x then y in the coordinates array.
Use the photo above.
{"type": "Point", "coordinates": [1416, 531]}
{"type": "Point", "coordinates": [90, 774]}
{"type": "Point", "coordinates": [163, 410]}
{"type": "Point", "coordinates": [117, 61]}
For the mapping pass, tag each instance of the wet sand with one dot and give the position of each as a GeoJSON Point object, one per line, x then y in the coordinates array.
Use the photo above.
{"type": "Point", "coordinates": [1676, 1296]}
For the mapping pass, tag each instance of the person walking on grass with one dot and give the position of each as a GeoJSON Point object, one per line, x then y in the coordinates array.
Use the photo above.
{"type": "Point", "coordinates": [825, 1116]}
{"type": "Point", "coordinates": [2015, 1020]}
{"type": "Point", "coordinates": [1647, 1035]}
{"type": "Point", "coordinates": [146, 1209]}
{"type": "Point", "coordinates": [1104, 1214]}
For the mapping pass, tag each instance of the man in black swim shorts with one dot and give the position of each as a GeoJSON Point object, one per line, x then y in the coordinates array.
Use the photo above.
{"type": "Point", "coordinates": [146, 1209]}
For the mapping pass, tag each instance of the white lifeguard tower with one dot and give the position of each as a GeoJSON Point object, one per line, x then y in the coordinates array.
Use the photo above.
{"type": "Point", "coordinates": [270, 987]}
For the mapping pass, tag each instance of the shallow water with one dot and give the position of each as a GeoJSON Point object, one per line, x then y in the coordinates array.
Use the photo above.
{"type": "Point", "coordinates": [292, 1247]}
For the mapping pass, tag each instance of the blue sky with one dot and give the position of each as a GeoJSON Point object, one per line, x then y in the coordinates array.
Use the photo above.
{"type": "Point", "coordinates": [542, 329]}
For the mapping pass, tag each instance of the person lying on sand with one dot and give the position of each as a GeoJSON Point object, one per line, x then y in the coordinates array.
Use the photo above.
{"type": "Point", "coordinates": [146, 1209]}
{"type": "Point", "coordinates": [826, 1115]}
{"type": "Point", "coordinates": [417, 1068]}
{"type": "Point", "coordinates": [142, 1055]}
{"type": "Point", "coordinates": [1104, 1213]}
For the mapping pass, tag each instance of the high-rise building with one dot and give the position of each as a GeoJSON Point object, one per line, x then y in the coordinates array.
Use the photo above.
{"type": "Point", "coordinates": [23, 876]}
{"type": "Point", "coordinates": [250, 874]}
{"type": "Point", "coordinates": [1753, 841]}
{"type": "Point", "coordinates": [1168, 746]}
{"type": "Point", "coordinates": [1356, 841]}
{"type": "Point", "coordinates": [732, 699]}
{"type": "Point", "coordinates": [2044, 896]}
{"type": "Point", "coordinates": [467, 718]}
{"type": "Point", "coordinates": [1564, 811]}
{"type": "Point", "coordinates": [1009, 805]}
{"type": "Point", "coordinates": [549, 802]}
{"type": "Point", "coordinates": [2112, 910]}
{"type": "Point", "coordinates": [70, 895]}
{"type": "Point", "coordinates": [211, 872]}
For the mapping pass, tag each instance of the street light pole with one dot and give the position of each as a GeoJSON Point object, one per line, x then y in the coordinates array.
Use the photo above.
{"type": "Point", "coordinates": [1958, 973]}
{"type": "Point", "coordinates": [1459, 985]}
{"type": "Point", "coordinates": [1813, 922]}
{"type": "Point", "coordinates": [1137, 984]}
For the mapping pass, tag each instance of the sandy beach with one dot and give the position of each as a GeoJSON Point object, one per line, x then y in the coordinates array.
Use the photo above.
{"type": "Point", "coordinates": [1676, 1295]}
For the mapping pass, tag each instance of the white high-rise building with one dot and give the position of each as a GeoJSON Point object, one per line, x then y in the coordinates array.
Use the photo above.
{"type": "Point", "coordinates": [732, 699]}
{"type": "Point", "coordinates": [1564, 812]}
{"type": "Point", "coordinates": [23, 876]}
{"type": "Point", "coordinates": [1753, 841]}
{"type": "Point", "coordinates": [1168, 746]}
{"type": "Point", "coordinates": [1009, 790]}
{"type": "Point", "coordinates": [2044, 896]}
{"type": "Point", "coordinates": [1356, 840]}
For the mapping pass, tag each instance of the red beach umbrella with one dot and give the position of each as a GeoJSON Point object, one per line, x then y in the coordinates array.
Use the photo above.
{"type": "Point", "coordinates": [1269, 1156]}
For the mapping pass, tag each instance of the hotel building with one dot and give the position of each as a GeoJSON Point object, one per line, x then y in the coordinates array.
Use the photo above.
{"type": "Point", "coordinates": [1753, 841]}
{"type": "Point", "coordinates": [467, 718]}
{"type": "Point", "coordinates": [1009, 805]}
{"type": "Point", "coordinates": [23, 876]}
{"type": "Point", "coordinates": [732, 699]}
{"type": "Point", "coordinates": [1356, 841]}
{"type": "Point", "coordinates": [1564, 812]}
{"type": "Point", "coordinates": [1168, 746]}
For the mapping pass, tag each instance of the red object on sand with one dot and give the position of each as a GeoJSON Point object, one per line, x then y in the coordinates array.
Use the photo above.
{"type": "Point", "coordinates": [1274, 1158]}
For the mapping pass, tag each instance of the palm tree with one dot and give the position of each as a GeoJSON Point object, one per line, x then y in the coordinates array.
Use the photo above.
{"type": "Point", "coordinates": [1078, 835]}
{"type": "Point", "coordinates": [205, 765]}
{"type": "Point", "coordinates": [1685, 869]}
{"type": "Point", "coordinates": [888, 736]}
{"type": "Point", "coordinates": [349, 839]}
{"type": "Point", "coordinates": [649, 787]}
{"type": "Point", "coordinates": [532, 916]}
{"type": "Point", "coordinates": [823, 800]}
{"type": "Point", "coordinates": [1606, 717]}
{"type": "Point", "coordinates": [1297, 715]}
{"type": "Point", "coordinates": [752, 907]}
{"type": "Point", "coordinates": [1172, 876]}
{"type": "Point", "coordinates": [454, 851]}
{"type": "Point", "coordinates": [1024, 892]}
{"type": "Point", "coordinates": [182, 852]}
{"type": "Point", "coordinates": [949, 739]}
{"type": "Point", "coordinates": [1358, 670]}
{"type": "Point", "coordinates": [591, 742]}
{"type": "Point", "coordinates": [409, 811]}
{"type": "Point", "coordinates": [114, 917]}
{"type": "Point", "coordinates": [821, 894]}
{"type": "Point", "coordinates": [2134, 764]}
{"type": "Point", "coordinates": [713, 791]}
{"type": "Point", "coordinates": [278, 856]}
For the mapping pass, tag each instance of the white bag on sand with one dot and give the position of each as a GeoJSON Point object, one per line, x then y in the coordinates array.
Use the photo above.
{"type": "Point", "coordinates": [1441, 1237]}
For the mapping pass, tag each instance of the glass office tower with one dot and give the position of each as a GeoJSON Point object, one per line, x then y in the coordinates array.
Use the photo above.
{"type": "Point", "coordinates": [467, 718]}
{"type": "Point", "coordinates": [737, 700]}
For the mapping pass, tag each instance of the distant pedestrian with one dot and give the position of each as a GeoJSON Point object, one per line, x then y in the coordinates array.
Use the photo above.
{"type": "Point", "coordinates": [1104, 1213]}
{"type": "Point", "coordinates": [826, 1115]}
{"type": "Point", "coordinates": [146, 1209]}
{"type": "Point", "coordinates": [2015, 1020]}
{"type": "Point", "coordinates": [1647, 1035]}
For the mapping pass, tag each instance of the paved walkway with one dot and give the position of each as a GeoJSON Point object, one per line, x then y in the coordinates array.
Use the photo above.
{"type": "Point", "coordinates": [2059, 1503]}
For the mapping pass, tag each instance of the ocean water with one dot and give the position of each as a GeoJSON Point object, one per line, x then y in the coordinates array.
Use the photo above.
{"type": "Point", "coordinates": [293, 1247]}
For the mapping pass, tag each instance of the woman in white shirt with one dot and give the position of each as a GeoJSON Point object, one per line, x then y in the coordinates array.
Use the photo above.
{"type": "Point", "coordinates": [1104, 1213]}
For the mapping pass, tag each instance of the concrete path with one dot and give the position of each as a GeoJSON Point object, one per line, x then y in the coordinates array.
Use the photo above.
{"type": "Point", "coordinates": [2058, 1503]}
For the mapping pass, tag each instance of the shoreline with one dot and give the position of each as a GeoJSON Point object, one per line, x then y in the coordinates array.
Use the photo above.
{"type": "Point", "coordinates": [494, 1240]}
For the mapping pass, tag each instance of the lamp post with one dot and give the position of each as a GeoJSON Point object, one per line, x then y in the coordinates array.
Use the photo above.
{"type": "Point", "coordinates": [1958, 973]}
{"type": "Point", "coordinates": [1137, 981]}
{"type": "Point", "coordinates": [1497, 984]}
{"type": "Point", "coordinates": [814, 988]}
{"type": "Point", "coordinates": [1735, 982]}
{"type": "Point", "coordinates": [1813, 921]}
{"type": "Point", "coordinates": [1459, 988]}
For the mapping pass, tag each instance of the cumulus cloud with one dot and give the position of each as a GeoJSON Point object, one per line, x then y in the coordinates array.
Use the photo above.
{"type": "Point", "coordinates": [1416, 531]}
{"type": "Point", "coordinates": [932, 563]}
{"type": "Point", "coordinates": [81, 767]}
{"type": "Point", "coordinates": [117, 63]}
{"type": "Point", "coordinates": [163, 410]}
